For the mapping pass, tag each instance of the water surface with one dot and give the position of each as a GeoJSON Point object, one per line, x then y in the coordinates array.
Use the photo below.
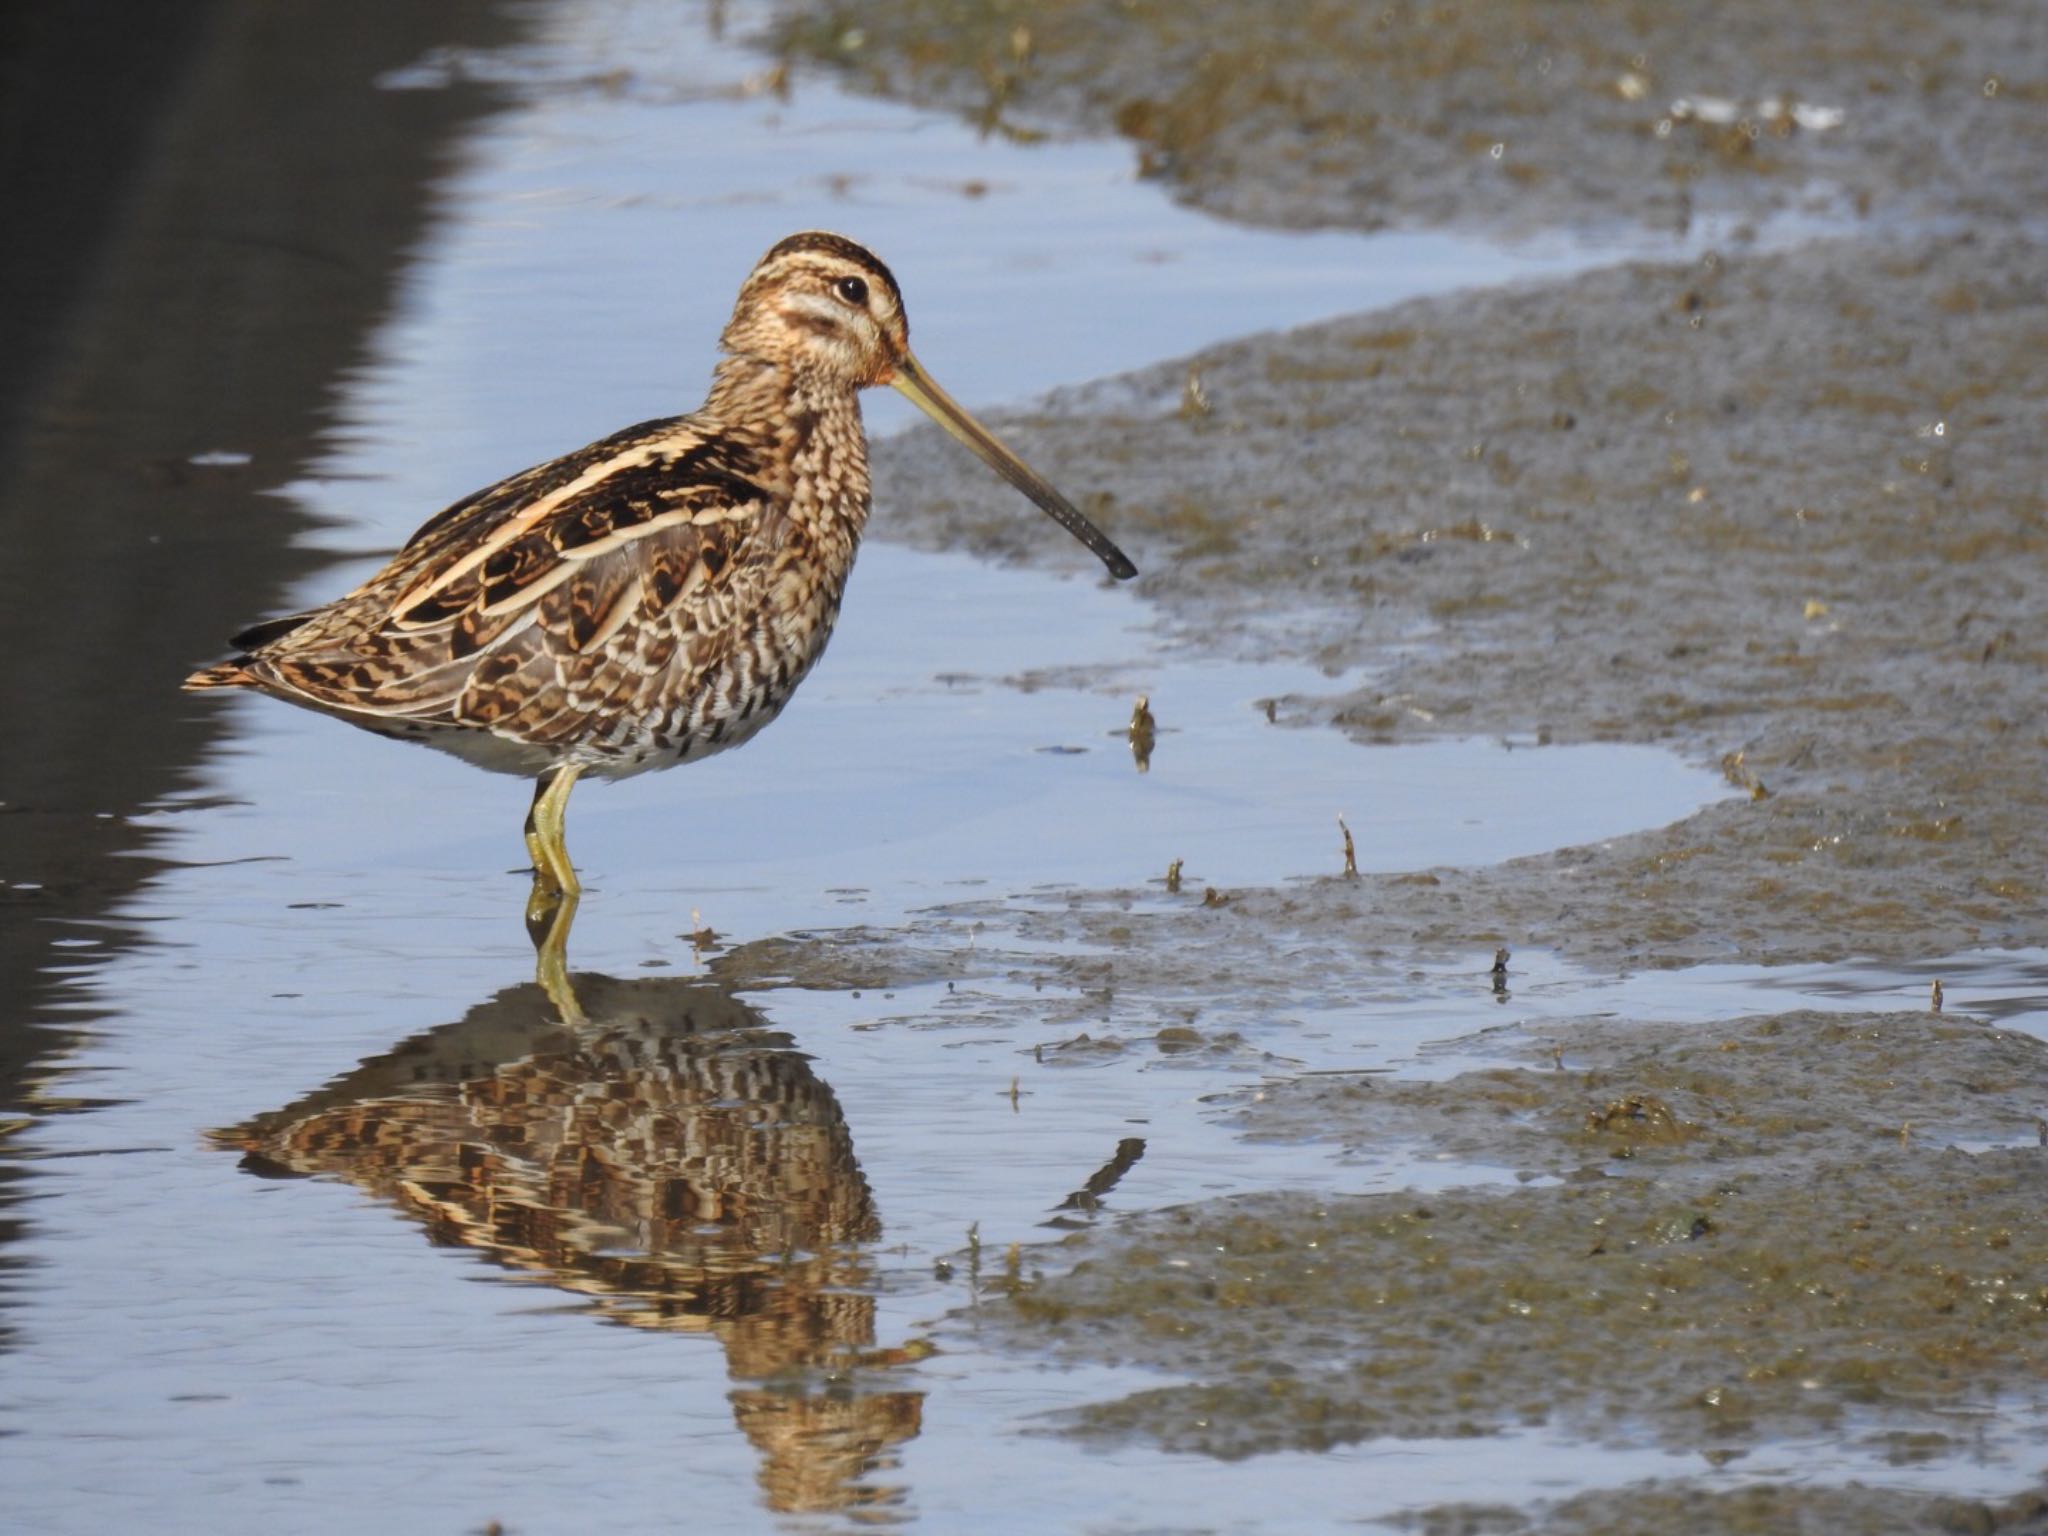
{"type": "Point", "coordinates": [334, 978]}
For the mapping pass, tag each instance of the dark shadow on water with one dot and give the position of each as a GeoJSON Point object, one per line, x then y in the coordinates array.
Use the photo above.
{"type": "Point", "coordinates": [655, 1146]}
{"type": "Point", "coordinates": [211, 205]}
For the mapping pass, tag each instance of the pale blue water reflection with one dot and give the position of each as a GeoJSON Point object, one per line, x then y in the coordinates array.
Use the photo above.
{"type": "Point", "coordinates": [203, 1350]}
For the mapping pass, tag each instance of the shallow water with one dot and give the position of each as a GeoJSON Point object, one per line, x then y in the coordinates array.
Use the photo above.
{"type": "Point", "coordinates": [289, 1350]}
{"type": "Point", "coordinates": [954, 741]}
{"type": "Point", "coordinates": [593, 241]}
{"type": "Point", "coordinates": [202, 1349]}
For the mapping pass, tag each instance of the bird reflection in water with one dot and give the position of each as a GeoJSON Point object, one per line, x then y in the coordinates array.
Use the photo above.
{"type": "Point", "coordinates": [651, 1144]}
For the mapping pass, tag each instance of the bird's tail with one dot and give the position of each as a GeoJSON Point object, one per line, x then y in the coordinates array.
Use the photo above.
{"type": "Point", "coordinates": [234, 672]}
{"type": "Point", "coordinates": [222, 674]}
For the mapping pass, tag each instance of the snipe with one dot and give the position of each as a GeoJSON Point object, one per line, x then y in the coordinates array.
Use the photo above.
{"type": "Point", "coordinates": [657, 596]}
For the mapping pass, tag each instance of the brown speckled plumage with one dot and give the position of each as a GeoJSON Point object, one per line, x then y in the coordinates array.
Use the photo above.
{"type": "Point", "coordinates": [660, 1151]}
{"type": "Point", "coordinates": [654, 597]}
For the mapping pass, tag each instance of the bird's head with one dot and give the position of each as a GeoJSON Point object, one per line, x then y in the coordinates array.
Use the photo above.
{"type": "Point", "coordinates": [821, 306]}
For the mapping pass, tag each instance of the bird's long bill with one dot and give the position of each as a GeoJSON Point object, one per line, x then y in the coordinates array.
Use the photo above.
{"type": "Point", "coordinates": [912, 381]}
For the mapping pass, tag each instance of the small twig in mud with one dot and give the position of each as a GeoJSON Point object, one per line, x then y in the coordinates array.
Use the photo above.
{"type": "Point", "coordinates": [1350, 849]}
{"type": "Point", "coordinates": [1934, 996]}
{"type": "Point", "coordinates": [974, 1263]}
{"type": "Point", "coordinates": [702, 937]}
{"type": "Point", "coordinates": [1099, 1183]}
{"type": "Point", "coordinates": [1742, 776]}
{"type": "Point", "coordinates": [1143, 732]}
{"type": "Point", "coordinates": [1173, 878]}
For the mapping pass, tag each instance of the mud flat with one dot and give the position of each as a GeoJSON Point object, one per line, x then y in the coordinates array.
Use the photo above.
{"type": "Point", "coordinates": [1704, 1238]}
{"type": "Point", "coordinates": [1779, 510]}
{"type": "Point", "coordinates": [1782, 511]}
{"type": "Point", "coordinates": [1506, 114]}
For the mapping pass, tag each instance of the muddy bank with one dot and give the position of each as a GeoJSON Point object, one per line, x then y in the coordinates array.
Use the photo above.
{"type": "Point", "coordinates": [1776, 511]}
{"type": "Point", "coordinates": [1781, 512]}
{"type": "Point", "coordinates": [1703, 1239]}
{"type": "Point", "coordinates": [1502, 114]}
{"type": "Point", "coordinates": [1682, 1509]}
{"type": "Point", "coordinates": [1687, 1104]}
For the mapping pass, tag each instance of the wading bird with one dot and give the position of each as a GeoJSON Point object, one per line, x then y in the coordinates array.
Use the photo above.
{"type": "Point", "coordinates": [655, 597]}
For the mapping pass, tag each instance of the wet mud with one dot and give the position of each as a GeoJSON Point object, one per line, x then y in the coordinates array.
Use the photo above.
{"type": "Point", "coordinates": [1704, 1238]}
{"type": "Point", "coordinates": [1503, 115]}
{"type": "Point", "coordinates": [1673, 1102]}
{"type": "Point", "coordinates": [1780, 510]}
{"type": "Point", "coordinates": [1680, 1508]}
{"type": "Point", "coordinates": [1777, 510]}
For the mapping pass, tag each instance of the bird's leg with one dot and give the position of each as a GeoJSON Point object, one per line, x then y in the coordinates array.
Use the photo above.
{"type": "Point", "coordinates": [533, 833]}
{"type": "Point", "coordinates": [551, 906]}
{"type": "Point", "coordinates": [554, 877]}
{"type": "Point", "coordinates": [554, 820]}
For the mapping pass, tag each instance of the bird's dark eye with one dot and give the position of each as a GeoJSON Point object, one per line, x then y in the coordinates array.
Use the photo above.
{"type": "Point", "coordinates": [853, 289]}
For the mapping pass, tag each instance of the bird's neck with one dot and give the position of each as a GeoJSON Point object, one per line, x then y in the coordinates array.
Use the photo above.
{"type": "Point", "coordinates": [810, 425]}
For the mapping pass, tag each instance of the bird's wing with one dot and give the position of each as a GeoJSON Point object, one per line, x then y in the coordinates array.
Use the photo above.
{"type": "Point", "coordinates": [510, 586]}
